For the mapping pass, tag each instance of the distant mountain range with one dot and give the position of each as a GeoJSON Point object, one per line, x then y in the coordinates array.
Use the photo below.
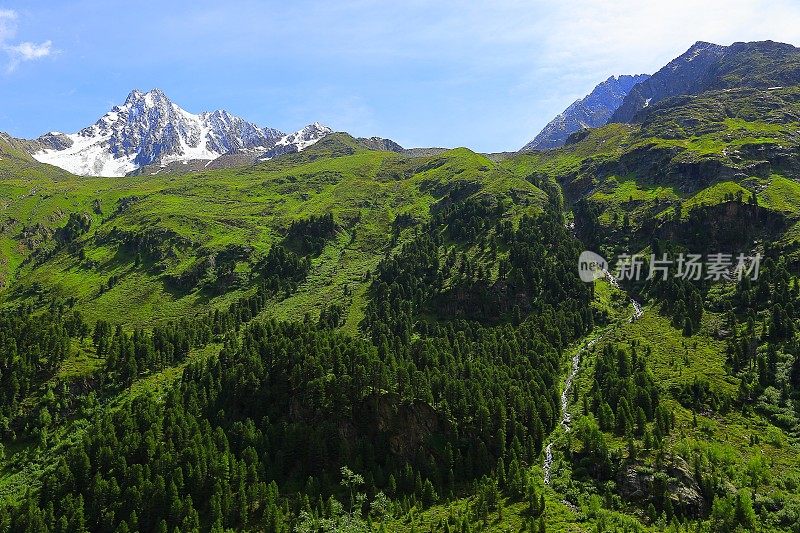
{"type": "Point", "coordinates": [151, 131]}
{"type": "Point", "coordinates": [592, 111]}
{"type": "Point", "coordinates": [149, 134]}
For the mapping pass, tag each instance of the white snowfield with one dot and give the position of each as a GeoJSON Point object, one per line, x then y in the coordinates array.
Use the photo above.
{"type": "Point", "coordinates": [149, 129]}
{"type": "Point", "coordinates": [88, 156]}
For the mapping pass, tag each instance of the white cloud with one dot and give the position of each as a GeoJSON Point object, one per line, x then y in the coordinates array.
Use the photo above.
{"type": "Point", "coordinates": [21, 51]}
{"type": "Point", "coordinates": [633, 36]}
{"type": "Point", "coordinates": [28, 51]}
{"type": "Point", "coordinates": [7, 24]}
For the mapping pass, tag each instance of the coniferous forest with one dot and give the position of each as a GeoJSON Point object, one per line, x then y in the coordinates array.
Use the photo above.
{"type": "Point", "coordinates": [257, 436]}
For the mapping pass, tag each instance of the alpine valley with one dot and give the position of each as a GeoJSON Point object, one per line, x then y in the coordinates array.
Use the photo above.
{"type": "Point", "coordinates": [209, 325]}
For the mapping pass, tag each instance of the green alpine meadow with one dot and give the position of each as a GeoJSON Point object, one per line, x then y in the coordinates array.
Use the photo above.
{"type": "Point", "coordinates": [209, 325]}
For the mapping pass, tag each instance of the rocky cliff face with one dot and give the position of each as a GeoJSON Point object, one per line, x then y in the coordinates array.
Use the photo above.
{"type": "Point", "coordinates": [408, 430]}
{"type": "Point", "coordinates": [589, 112]}
{"type": "Point", "coordinates": [638, 483]}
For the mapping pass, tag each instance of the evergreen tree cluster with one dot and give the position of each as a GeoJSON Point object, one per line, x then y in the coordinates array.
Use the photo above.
{"type": "Point", "coordinates": [130, 355]}
{"type": "Point", "coordinates": [763, 347]}
{"type": "Point", "coordinates": [32, 347]}
{"type": "Point", "coordinates": [308, 235]}
{"type": "Point", "coordinates": [281, 269]}
{"type": "Point", "coordinates": [680, 297]}
{"type": "Point", "coordinates": [284, 408]}
{"type": "Point", "coordinates": [77, 224]}
{"type": "Point", "coordinates": [623, 400]}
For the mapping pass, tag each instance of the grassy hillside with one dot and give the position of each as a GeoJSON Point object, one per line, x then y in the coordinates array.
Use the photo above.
{"type": "Point", "coordinates": [244, 211]}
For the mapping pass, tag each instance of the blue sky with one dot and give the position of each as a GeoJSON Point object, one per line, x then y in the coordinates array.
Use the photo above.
{"type": "Point", "coordinates": [486, 75]}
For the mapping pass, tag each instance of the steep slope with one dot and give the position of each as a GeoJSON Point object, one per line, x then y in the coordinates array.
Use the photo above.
{"type": "Point", "coordinates": [706, 173]}
{"type": "Point", "coordinates": [11, 148]}
{"type": "Point", "coordinates": [150, 130]}
{"type": "Point", "coordinates": [591, 111]}
{"type": "Point", "coordinates": [706, 67]}
{"type": "Point", "coordinates": [303, 238]}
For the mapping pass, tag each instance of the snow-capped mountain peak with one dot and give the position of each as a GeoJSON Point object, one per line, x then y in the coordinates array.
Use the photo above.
{"type": "Point", "coordinates": [150, 129]}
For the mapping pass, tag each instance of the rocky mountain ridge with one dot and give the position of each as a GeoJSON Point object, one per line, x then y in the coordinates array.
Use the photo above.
{"type": "Point", "coordinates": [150, 130]}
